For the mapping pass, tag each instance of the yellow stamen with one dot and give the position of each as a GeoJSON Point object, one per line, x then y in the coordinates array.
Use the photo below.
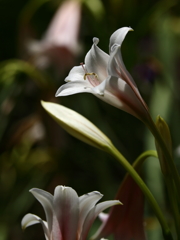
{"type": "Point", "coordinates": [94, 74]}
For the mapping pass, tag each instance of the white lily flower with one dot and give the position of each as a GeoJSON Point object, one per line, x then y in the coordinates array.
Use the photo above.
{"type": "Point", "coordinates": [68, 216]}
{"type": "Point", "coordinates": [106, 77]}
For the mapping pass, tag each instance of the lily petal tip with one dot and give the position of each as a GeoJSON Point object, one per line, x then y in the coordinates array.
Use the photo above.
{"type": "Point", "coordinates": [98, 193]}
{"type": "Point", "coordinates": [131, 29]}
{"type": "Point", "coordinates": [119, 202]}
{"type": "Point", "coordinates": [33, 190]}
{"type": "Point", "coordinates": [95, 40]}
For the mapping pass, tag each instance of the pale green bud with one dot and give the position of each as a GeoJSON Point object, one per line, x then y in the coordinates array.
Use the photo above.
{"type": "Point", "coordinates": [77, 125]}
{"type": "Point", "coordinates": [166, 136]}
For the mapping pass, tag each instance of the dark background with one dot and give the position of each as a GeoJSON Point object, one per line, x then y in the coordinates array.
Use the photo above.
{"type": "Point", "coordinates": [34, 150]}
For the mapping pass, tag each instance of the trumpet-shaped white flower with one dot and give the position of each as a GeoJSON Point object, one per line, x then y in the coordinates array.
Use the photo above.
{"type": "Point", "coordinates": [106, 77]}
{"type": "Point", "coordinates": [68, 216]}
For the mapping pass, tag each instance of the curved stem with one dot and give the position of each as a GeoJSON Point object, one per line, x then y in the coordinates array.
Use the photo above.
{"type": "Point", "coordinates": [139, 160]}
{"type": "Point", "coordinates": [42, 80]}
{"type": "Point", "coordinates": [166, 231]}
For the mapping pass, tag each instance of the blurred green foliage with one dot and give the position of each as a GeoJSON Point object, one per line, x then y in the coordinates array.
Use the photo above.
{"type": "Point", "coordinates": [34, 151]}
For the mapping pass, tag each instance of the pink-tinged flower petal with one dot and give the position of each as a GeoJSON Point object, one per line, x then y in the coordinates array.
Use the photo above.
{"type": "Point", "coordinates": [118, 36]}
{"type": "Point", "coordinates": [60, 42]}
{"type": "Point", "coordinates": [86, 202]}
{"type": "Point", "coordinates": [117, 68]}
{"type": "Point", "coordinates": [46, 200]}
{"type": "Point", "coordinates": [93, 213]}
{"type": "Point", "coordinates": [124, 97]}
{"type": "Point", "coordinates": [66, 209]}
{"type": "Point", "coordinates": [96, 61]}
{"type": "Point", "coordinates": [116, 92]}
{"type": "Point", "coordinates": [31, 219]}
{"type": "Point", "coordinates": [64, 28]}
{"type": "Point", "coordinates": [103, 216]}
{"type": "Point", "coordinates": [56, 231]}
{"type": "Point", "coordinates": [99, 90]}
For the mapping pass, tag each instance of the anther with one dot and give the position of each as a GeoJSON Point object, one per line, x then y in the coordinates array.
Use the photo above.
{"type": "Point", "coordinates": [87, 74]}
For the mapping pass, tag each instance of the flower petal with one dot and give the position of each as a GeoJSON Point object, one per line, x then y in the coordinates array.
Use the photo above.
{"type": "Point", "coordinates": [66, 208]}
{"type": "Point", "coordinates": [31, 219]}
{"type": "Point", "coordinates": [117, 68]}
{"type": "Point", "coordinates": [118, 36]}
{"type": "Point", "coordinates": [99, 90]}
{"type": "Point", "coordinates": [117, 92]}
{"type": "Point", "coordinates": [103, 217]}
{"type": "Point", "coordinates": [129, 100]}
{"type": "Point", "coordinates": [46, 200]}
{"type": "Point", "coordinates": [116, 65]}
{"type": "Point", "coordinates": [76, 74]}
{"type": "Point", "coordinates": [77, 125]}
{"type": "Point", "coordinates": [71, 88]}
{"type": "Point", "coordinates": [86, 202]}
{"type": "Point", "coordinates": [94, 212]}
{"type": "Point", "coordinates": [64, 27]}
{"type": "Point", "coordinates": [96, 61]}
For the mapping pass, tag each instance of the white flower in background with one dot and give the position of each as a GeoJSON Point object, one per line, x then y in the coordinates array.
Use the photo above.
{"type": "Point", "coordinates": [68, 216]}
{"type": "Point", "coordinates": [106, 77]}
{"type": "Point", "coordinates": [60, 42]}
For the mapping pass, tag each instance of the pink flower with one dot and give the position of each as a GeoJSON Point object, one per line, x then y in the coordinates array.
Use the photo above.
{"type": "Point", "coordinates": [60, 42]}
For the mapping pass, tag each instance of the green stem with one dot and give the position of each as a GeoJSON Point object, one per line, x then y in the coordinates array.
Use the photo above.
{"type": "Point", "coordinates": [166, 231]}
{"type": "Point", "coordinates": [174, 204]}
{"type": "Point", "coordinates": [173, 170]}
{"type": "Point", "coordinates": [139, 160]}
{"type": "Point", "coordinates": [15, 65]}
{"type": "Point", "coordinates": [170, 187]}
